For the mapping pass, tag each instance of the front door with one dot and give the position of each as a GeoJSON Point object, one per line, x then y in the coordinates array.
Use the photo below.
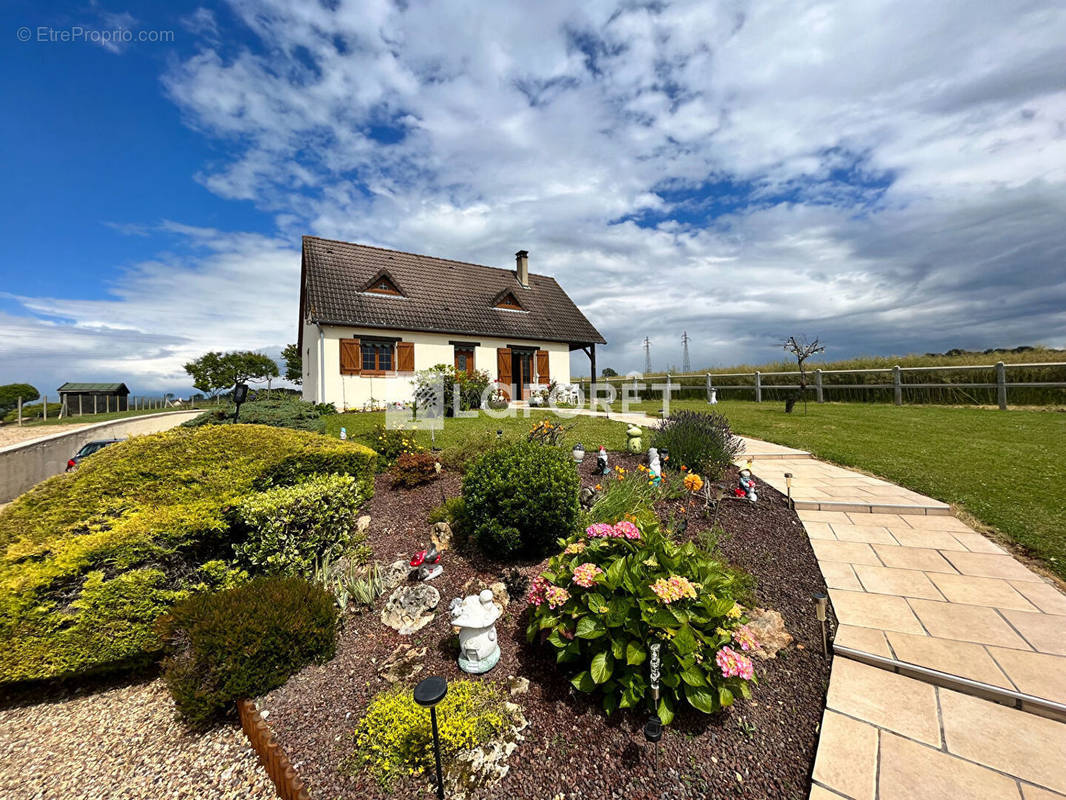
{"type": "Point", "coordinates": [464, 360]}
{"type": "Point", "coordinates": [522, 372]}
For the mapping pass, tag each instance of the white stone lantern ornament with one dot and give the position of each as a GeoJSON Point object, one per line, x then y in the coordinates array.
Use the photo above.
{"type": "Point", "coordinates": [475, 616]}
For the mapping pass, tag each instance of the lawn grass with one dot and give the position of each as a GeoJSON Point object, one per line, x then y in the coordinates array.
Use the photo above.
{"type": "Point", "coordinates": [88, 419]}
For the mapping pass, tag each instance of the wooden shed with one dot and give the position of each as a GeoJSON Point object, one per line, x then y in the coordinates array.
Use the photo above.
{"type": "Point", "coordinates": [93, 398]}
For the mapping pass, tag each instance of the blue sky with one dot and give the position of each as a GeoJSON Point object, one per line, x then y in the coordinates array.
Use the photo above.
{"type": "Point", "coordinates": [890, 177]}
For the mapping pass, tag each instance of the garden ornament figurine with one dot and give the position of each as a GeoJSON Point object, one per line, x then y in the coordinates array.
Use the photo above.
{"type": "Point", "coordinates": [746, 487]}
{"type": "Point", "coordinates": [601, 461]}
{"type": "Point", "coordinates": [428, 563]}
{"type": "Point", "coordinates": [654, 469]}
{"type": "Point", "coordinates": [475, 616]}
{"type": "Point", "coordinates": [633, 444]}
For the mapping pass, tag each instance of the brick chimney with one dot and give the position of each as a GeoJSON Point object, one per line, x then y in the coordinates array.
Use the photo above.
{"type": "Point", "coordinates": [522, 267]}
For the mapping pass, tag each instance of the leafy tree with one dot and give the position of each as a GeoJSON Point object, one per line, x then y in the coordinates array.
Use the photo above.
{"type": "Point", "coordinates": [10, 394]}
{"type": "Point", "coordinates": [294, 370]}
{"type": "Point", "coordinates": [213, 372]}
{"type": "Point", "coordinates": [608, 373]}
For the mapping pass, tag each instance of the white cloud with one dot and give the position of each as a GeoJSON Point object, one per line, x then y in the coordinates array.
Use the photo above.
{"type": "Point", "coordinates": [544, 128]}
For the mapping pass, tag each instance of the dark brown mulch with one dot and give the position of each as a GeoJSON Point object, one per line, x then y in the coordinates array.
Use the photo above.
{"type": "Point", "coordinates": [760, 748]}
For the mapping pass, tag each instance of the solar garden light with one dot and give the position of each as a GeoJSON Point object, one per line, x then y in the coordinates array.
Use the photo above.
{"type": "Point", "coordinates": [578, 453]}
{"type": "Point", "coordinates": [427, 694]}
{"type": "Point", "coordinates": [240, 394]}
{"type": "Point", "coordinates": [499, 433]}
{"type": "Point", "coordinates": [788, 484]}
{"type": "Point", "coordinates": [820, 602]}
{"type": "Point", "coordinates": [653, 728]}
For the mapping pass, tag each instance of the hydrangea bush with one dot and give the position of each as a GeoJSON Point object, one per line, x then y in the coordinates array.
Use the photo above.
{"type": "Point", "coordinates": [616, 588]}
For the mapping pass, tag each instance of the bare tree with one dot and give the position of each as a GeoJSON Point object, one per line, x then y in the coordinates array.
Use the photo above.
{"type": "Point", "coordinates": [802, 350]}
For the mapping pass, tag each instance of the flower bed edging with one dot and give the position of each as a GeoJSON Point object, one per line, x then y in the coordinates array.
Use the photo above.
{"type": "Point", "coordinates": [273, 758]}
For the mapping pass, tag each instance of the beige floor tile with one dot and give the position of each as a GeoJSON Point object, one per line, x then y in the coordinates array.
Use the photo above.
{"type": "Point", "coordinates": [1044, 596]}
{"type": "Point", "coordinates": [955, 658]}
{"type": "Point", "coordinates": [818, 793]}
{"type": "Point", "coordinates": [937, 522]}
{"type": "Point", "coordinates": [862, 533]}
{"type": "Point", "coordinates": [991, 565]}
{"type": "Point", "coordinates": [839, 575]}
{"type": "Point", "coordinates": [966, 623]}
{"type": "Point", "coordinates": [884, 520]}
{"type": "Point", "coordinates": [911, 771]}
{"type": "Point", "coordinates": [850, 552]}
{"type": "Point", "coordinates": [980, 591]}
{"type": "Point", "coordinates": [976, 543]}
{"type": "Point", "coordinates": [1045, 632]}
{"type": "Point", "coordinates": [818, 530]}
{"type": "Point", "coordinates": [868, 640]}
{"type": "Point", "coordinates": [891, 701]}
{"type": "Point", "coordinates": [892, 580]}
{"type": "Point", "coordinates": [881, 611]}
{"type": "Point", "coordinates": [823, 516]}
{"type": "Point", "coordinates": [923, 558]}
{"type": "Point", "coordinates": [937, 540]}
{"type": "Point", "coordinates": [1037, 674]}
{"type": "Point", "coordinates": [1036, 793]}
{"type": "Point", "coordinates": [847, 756]}
{"type": "Point", "coordinates": [1024, 745]}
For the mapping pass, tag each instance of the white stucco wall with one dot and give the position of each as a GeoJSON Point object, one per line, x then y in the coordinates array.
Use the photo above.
{"type": "Point", "coordinates": [430, 349]}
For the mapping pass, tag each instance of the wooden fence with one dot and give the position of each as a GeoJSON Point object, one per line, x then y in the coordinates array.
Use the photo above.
{"type": "Point", "coordinates": [273, 758]}
{"type": "Point", "coordinates": [915, 384]}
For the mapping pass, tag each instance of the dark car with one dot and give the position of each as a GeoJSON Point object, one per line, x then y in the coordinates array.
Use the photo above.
{"type": "Point", "coordinates": [87, 450]}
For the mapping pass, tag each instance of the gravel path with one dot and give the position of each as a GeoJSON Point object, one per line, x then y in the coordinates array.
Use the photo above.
{"type": "Point", "coordinates": [121, 743]}
{"type": "Point", "coordinates": [13, 434]}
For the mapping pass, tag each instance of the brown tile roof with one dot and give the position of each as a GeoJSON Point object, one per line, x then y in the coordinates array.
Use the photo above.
{"type": "Point", "coordinates": [439, 295]}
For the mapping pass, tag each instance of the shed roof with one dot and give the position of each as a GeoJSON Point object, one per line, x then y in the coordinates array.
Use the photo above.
{"type": "Point", "coordinates": [94, 388]}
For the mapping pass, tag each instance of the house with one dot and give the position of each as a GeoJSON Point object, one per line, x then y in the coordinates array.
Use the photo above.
{"type": "Point", "coordinates": [92, 398]}
{"type": "Point", "coordinates": [370, 318]}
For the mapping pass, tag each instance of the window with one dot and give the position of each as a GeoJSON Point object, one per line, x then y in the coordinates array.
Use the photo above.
{"type": "Point", "coordinates": [383, 284]}
{"type": "Point", "coordinates": [510, 302]}
{"type": "Point", "coordinates": [377, 356]}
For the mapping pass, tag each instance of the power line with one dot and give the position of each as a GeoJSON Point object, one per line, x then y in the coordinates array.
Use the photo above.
{"type": "Point", "coordinates": [647, 356]}
{"type": "Point", "coordinates": [686, 365]}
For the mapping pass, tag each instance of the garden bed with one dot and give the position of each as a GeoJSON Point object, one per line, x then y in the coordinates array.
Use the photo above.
{"type": "Point", "coordinates": [762, 747]}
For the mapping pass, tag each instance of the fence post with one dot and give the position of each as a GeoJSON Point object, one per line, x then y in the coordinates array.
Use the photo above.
{"type": "Point", "coordinates": [709, 387]}
{"type": "Point", "coordinates": [896, 384]}
{"type": "Point", "coordinates": [1001, 385]}
{"type": "Point", "coordinates": [668, 392]}
{"type": "Point", "coordinates": [46, 407]}
{"type": "Point", "coordinates": [94, 404]}
{"type": "Point", "coordinates": [80, 396]}
{"type": "Point", "coordinates": [758, 386]}
{"type": "Point", "coordinates": [818, 396]}
{"type": "Point", "coordinates": [20, 411]}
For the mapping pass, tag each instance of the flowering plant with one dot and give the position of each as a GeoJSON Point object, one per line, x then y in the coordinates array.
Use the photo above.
{"type": "Point", "coordinates": [617, 587]}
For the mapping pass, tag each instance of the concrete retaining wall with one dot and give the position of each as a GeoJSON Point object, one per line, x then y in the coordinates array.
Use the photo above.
{"type": "Point", "coordinates": [26, 464]}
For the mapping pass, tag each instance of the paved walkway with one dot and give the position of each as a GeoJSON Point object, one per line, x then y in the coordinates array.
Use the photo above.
{"type": "Point", "coordinates": [949, 671]}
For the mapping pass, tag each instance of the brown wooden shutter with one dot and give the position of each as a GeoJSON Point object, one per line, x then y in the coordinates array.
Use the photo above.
{"type": "Point", "coordinates": [503, 369]}
{"type": "Point", "coordinates": [405, 356]}
{"type": "Point", "coordinates": [351, 357]}
{"type": "Point", "coordinates": [542, 367]}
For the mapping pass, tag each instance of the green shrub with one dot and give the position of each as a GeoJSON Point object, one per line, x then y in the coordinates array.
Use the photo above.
{"type": "Point", "coordinates": [616, 588]}
{"type": "Point", "coordinates": [278, 411]}
{"type": "Point", "coordinates": [243, 642]}
{"type": "Point", "coordinates": [626, 491]}
{"type": "Point", "coordinates": [520, 498]}
{"type": "Point", "coordinates": [394, 737]}
{"type": "Point", "coordinates": [414, 469]}
{"type": "Point", "coordinates": [453, 511]}
{"type": "Point", "coordinates": [701, 441]}
{"type": "Point", "coordinates": [288, 530]}
{"type": "Point", "coordinates": [391, 443]}
{"type": "Point", "coordinates": [471, 386]}
{"type": "Point", "coordinates": [89, 559]}
{"type": "Point", "coordinates": [11, 392]}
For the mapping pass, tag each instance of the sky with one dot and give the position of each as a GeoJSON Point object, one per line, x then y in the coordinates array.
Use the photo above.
{"type": "Point", "coordinates": [887, 176]}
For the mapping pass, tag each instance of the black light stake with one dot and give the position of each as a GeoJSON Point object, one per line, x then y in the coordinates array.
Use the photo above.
{"type": "Point", "coordinates": [788, 483]}
{"type": "Point", "coordinates": [820, 601]}
{"type": "Point", "coordinates": [427, 694]}
{"type": "Point", "coordinates": [240, 394]}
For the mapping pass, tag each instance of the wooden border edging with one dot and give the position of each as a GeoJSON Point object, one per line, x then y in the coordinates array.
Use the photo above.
{"type": "Point", "coordinates": [271, 756]}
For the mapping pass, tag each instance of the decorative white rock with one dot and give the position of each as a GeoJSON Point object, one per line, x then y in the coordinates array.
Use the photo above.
{"type": "Point", "coordinates": [475, 617]}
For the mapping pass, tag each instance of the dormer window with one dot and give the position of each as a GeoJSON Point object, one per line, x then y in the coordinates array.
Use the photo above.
{"type": "Point", "coordinates": [382, 283]}
{"type": "Point", "coordinates": [509, 302]}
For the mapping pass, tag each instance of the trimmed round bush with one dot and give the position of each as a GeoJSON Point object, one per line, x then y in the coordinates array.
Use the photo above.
{"type": "Point", "coordinates": [278, 412]}
{"type": "Point", "coordinates": [521, 498]}
{"type": "Point", "coordinates": [243, 642]}
{"type": "Point", "coordinates": [702, 441]}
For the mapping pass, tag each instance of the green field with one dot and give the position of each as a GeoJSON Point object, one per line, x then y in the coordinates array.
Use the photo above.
{"type": "Point", "coordinates": [1005, 469]}
{"type": "Point", "coordinates": [88, 419]}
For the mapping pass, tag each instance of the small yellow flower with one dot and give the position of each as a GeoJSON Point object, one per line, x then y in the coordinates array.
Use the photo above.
{"type": "Point", "coordinates": [599, 488]}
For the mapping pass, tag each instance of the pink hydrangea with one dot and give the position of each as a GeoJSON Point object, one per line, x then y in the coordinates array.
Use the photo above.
{"type": "Point", "coordinates": [673, 588]}
{"type": "Point", "coordinates": [556, 596]}
{"type": "Point", "coordinates": [535, 595]}
{"type": "Point", "coordinates": [586, 574]}
{"type": "Point", "coordinates": [627, 530]}
{"type": "Point", "coordinates": [622, 530]}
{"type": "Point", "coordinates": [599, 530]}
{"type": "Point", "coordinates": [734, 665]}
{"type": "Point", "coordinates": [744, 637]}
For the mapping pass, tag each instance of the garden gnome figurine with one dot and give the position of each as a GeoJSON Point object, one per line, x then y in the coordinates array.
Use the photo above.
{"type": "Point", "coordinates": [475, 617]}
{"type": "Point", "coordinates": [747, 484]}
{"type": "Point", "coordinates": [428, 563]}
{"type": "Point", "coordinates": [654, 469]}
{"type": "Point", "coordinates": [601, 461]}
{"type": "Point", "coordinates": [633, 444]}
{"type": "Point", "coordinates": [344, 433]}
